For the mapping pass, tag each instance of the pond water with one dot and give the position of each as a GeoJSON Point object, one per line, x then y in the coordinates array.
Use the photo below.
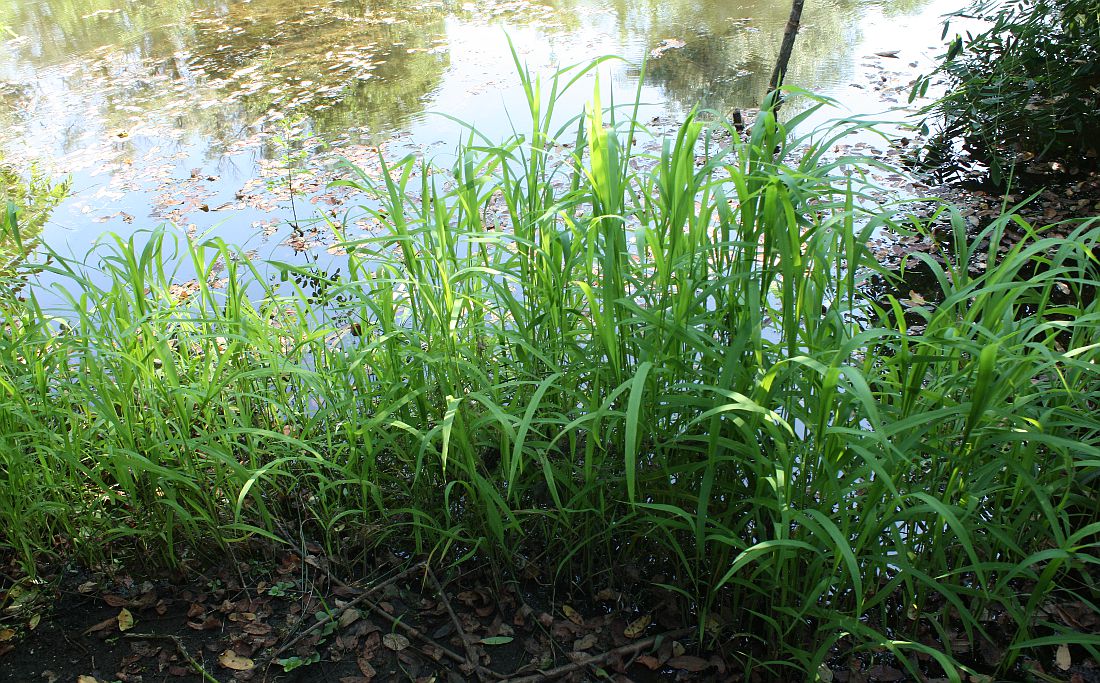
{"type": "Point", "coordinates": [183, 110]}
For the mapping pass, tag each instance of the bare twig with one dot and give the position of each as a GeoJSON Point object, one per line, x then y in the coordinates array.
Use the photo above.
{"type": "Point", "coordinates": [180, 647]}
{"type": "Point", "coordinates": [471, 653]}
{"type": "Point", "coordinates": [627, 649]}
{"type": "Point", "coordinates": [471, 656]}
{"type": "Point", "coordinates": [359, 599]}
{"type": "Point", "coordinates": [414, 632]}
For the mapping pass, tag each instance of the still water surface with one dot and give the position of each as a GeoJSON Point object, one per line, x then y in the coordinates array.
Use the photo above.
{"type": "Point", "coordinates": [174, 110]}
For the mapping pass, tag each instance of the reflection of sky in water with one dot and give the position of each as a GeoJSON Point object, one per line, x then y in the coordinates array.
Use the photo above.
{"type": "Point", "coordinates": [170, 109]}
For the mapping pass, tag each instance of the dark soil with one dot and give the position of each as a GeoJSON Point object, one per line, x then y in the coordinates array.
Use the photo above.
{"type": "Point", "coordinates": [290, 619]}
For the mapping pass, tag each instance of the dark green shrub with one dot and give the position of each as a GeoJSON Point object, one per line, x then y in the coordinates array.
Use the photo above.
{"type": "Point", "coordinates": [1026, 86]}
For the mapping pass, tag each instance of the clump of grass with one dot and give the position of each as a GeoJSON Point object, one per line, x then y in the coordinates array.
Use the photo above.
{"type": "Point", "coordinates": [576, 356]}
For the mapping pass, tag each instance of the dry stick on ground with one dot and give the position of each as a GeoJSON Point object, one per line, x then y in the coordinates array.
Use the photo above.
{"type": "Point", "coordinates": [786, 48]}
{"type": "Point", "coordinates": [471, 654]}
{"type": "Point", "coordinates": [471, 657]}
{"type": "Point", "coordinates": [414, 632]}
{"type": "Point", "coordinates": [180, 647]}
{"type": "Point", "coordinates": [628, 649]}
{"type": "Point", "coordinates": [336, 615]}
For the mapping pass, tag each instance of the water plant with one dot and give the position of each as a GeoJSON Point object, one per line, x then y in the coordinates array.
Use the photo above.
{"type": "Point", "coordinates": [565, 355]}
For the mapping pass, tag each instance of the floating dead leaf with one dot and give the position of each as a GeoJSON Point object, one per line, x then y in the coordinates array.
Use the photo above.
{"type": "Point", "coordinates": [1062, 658]}
{"type": "Point", "coordinates": [181, 293]}
{"type": "Point", "coordinates": [915, 299]}
{"type": "Point", "coordinates": [573, 615]}
{"type": "Point", "coordinates": [688, 663]}
{"type": "Point", "coordinates": [666, 45]}
{"type": "Point", "coordinates": [231, 660]}
{"type": "Point", "coordinates": [6, 634]}
{"type": "Point", "coordinates": [638, 626]}
{"type": "Point", "coordinates": [86, 679]}
{"type": "Point", "coordinates": [395, 641]}
{"type": "Point", "coordinates": [125, 620]}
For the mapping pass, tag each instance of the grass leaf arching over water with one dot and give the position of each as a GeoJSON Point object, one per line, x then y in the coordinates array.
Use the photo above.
{"type": "Point", "coordinates": [577, 355]}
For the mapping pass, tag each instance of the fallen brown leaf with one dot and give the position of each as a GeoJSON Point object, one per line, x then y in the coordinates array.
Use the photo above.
{"type": "Point", "coordinates": [1062, 658]}
{"type": "Point", "coordinates": [349, 617]}
{"type": "Point", "coordinates": [395, 641]}
{"type": "Point", "coordinates": [638, 626]}
{"type": "Point", "coordinates": [125, 620]}
{"type": "Point", "coordinates": [256, 629]}
{"type": "Point", "coordinates": [365, 667]}
{"type": "Point", "coordinates": [688, 663]}
{"type": "Point", "coordinates": [208, 624]}
{"type": "Point", "coordinates": [231, 660]}
{"type": "Point", "coordinates": [101, 626]}
{"type": "Point", "coordinates": [649, 661]}
{"type": "Point", "coordinates": [585, 643]}
{"type": "Point", "coordinates": [573, 615]}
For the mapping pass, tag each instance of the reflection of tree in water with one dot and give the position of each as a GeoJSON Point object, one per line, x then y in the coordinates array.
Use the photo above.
{"type": "Point", "coordinates": [13, 98]}
{"type": "Point", "coordinates": [731, 47]}
{"type": "Point", "coordinates": [733, 69]}
{"type": "Point", "coordinates": [352, 64]}
{"type": "Point", "coordinates": [33, 196]}
{"type": "Point", "coordinates": [213, 68]}
{"type": "Point", "coordinates": [60, 29]}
